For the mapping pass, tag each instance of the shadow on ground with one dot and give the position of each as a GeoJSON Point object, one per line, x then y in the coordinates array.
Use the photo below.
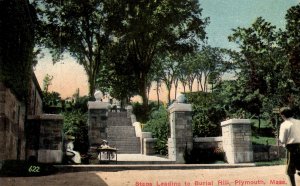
{"type": "Point", "coordinates": [59, 179]}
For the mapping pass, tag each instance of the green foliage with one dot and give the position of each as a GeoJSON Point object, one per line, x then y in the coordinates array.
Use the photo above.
{"type": "Point", "coordinates": [16, 46]}
{"type": "Point", "coordinates": [77, 102]}
{"type": "Point", "coordinates": [76, 27]}
{"type": "Point", "coordinates": [290, 39]}
{"type": "Point", "coordinates": [51, 102]}
{"type": "Point", "coordinates": [75, 116]}
{"type": "Point", "coordinates": [165, 69]}
{"type": "Point", "coordinates": [75, 124]}
{"type": "Point", "coordinates": [159, 126]}
{"type": "Point", "coordinates": [267, 68]}
{"type": "Point", "coordinates": [47, 81]}
{"type": "Point", "coordinates": [143, 114]}
{"type": "Point", "coordinates": [149, 28]}
{"type": "Point", "coordinates": [51, 98]}
{"type": "Point", "coordinates": [207, 114]}
{"type": "Point", "coordinates": [116, 78]}
{"type": "Point", "coordinates": [263, 140]}
{"type": "Point", "coordinates": [263, 75]}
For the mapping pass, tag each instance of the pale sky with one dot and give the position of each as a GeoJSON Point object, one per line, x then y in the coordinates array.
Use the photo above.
{"type": "Point", "coordinates": [224, 16]}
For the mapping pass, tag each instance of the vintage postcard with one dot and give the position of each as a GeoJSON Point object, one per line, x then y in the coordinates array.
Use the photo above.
{"type": "Point", "coordinates": [149, 93]}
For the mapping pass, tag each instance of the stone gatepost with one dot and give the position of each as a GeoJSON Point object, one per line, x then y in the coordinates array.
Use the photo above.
{"type": "Point", "coordinates": [181, 134]}
{"type": "Point", "coordinates": [236, 134]}
{"type": "Point", "coordinates": [44, 135]}
{"type": "Point", "coordinates": [97, 121]}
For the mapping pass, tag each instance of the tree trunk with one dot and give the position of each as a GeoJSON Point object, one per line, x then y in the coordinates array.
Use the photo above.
{"type": "Point", "coordinates": [176, 87]}
{"type": "Point", "coordinates": [191, 87]}
{"type": "Point", "coordinates": [157, 92]}
{"type": "Point", "coordinates": [184, 87]}
{"type": "Point", "coordinates": [142, 84]}
{"type": "Point", "coordinates": [169, 95]}
{"type": "Point", "coordinates": [92, 87]}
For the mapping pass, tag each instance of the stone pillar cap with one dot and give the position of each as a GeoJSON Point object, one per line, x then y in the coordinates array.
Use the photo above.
{"type": "Point", "coordinates": [236, 121]}
{"type": "Point", "coordinates": [97, 105]}
{"type": "Point", "coordinates": [46, 117]}
{"type": "Point", "coordinates": [180, 107]}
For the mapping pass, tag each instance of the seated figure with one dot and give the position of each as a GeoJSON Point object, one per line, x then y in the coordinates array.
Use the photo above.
{"type": "Point", "coordinates": [75, 156]}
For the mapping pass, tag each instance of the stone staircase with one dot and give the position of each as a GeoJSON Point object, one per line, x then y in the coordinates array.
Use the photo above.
{"type": "Point", "coordinates": [121, 133]}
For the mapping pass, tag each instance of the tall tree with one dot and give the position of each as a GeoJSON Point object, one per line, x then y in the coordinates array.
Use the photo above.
{"type": "Point", "coordinates": [190, 68]}
{"type": "Point", "coordinates": [209, 63]}
{"type": "Point", "coordinates": [290, 41]}
{"type": "Point", "coordinates": [183, 73]}
{"type": "Point", "coordinates": [152, 27]}
{"type": "Point", "coordinates": [76, 27]}
{"type": "Point", "coordinates": [263, 76]}
{"type": "Point", "coordinates": [168, 70]}
{"type": "Point", "coordinates": [117, 77]}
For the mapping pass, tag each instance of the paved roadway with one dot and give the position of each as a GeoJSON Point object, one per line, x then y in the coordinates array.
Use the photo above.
{"type": "Point", "coordinates": [267, 175]}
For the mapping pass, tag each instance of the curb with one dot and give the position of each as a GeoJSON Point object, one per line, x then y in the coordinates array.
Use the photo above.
{"type": "Point", "coordinates": [114, 168]}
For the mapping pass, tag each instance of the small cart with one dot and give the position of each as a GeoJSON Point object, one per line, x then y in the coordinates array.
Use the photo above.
{"type": "Point", "coordinates": [107, 154]}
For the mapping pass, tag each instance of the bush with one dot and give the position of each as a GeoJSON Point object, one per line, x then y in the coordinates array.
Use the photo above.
{"type": "Point", "coordinates": [80, 103]}
{"type": "Point", "coordinates": [51, 102]}
{"type": "Point", "coordinates": [207, 114]}
{"type": "Point", "coordinates": [143, 114]}
{"type": "Point", "coordinates": [159, 126]}
{"type": "Point", "coordinates": [75, 124]}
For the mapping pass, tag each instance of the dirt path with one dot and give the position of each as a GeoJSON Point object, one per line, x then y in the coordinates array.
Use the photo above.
{"type": "Point", "coordinates": [271, 175]}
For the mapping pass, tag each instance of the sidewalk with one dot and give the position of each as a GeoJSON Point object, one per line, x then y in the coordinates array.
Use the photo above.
{"type": "Point", "coordinates": [143, 162]}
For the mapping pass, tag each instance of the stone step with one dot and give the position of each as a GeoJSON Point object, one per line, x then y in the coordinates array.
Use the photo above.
{"type": "Point", "coordinates": [124, 141]}
{"type": "Point", "coordinates": [129, 145]}
{"type": "Point", "coordinates": [117, 114]}
{"type": "Point", "coordinates": [119, 122]}
{"type": "Point", "coordinates": [121, 130]}
{"type": "Point", "coordinates": [121, 133]}
{"type": "Point", "coordinates": [118, 137]}
{"type": "Point", "coordinates": [126, 150]}
{"type": "Point", "coordinates": [118, 119]}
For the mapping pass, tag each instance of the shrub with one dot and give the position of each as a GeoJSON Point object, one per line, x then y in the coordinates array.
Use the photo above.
{"type": "Point", "coordinates": [75, 124]}
{"type": "Point", "coordinates": [143, 114]}
{"type": "Point", "coordinates": [207, 114]}
{"type": "Point", "coordinates": [51, 102]}
{"type": "Point", "coordinates": [159, 126]}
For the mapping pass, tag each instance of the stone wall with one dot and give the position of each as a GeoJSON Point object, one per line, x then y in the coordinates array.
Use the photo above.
{"type": "Point", "coordinates": [12, 115]}
{"type": "Point", "coordinates": [45, 138]}
{"type": "Point", "coordinates": [35, 106]}
{"type": "Point", "coordinates": [208, 142]}
{"type": "Point", "coordinates": [268, 152]}
{"type": "Point", "coordinates": [260, 152]}
{"type": "Point", "coordinates": [149, 146]}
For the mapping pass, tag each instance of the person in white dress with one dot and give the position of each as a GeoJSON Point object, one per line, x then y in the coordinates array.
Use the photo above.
{"type": "Point", "coordinates": [70, 150]}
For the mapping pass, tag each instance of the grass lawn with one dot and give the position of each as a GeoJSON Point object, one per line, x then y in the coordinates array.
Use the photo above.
{"type": "Point", "coordinates": [263, 123]}
{"type": "Point", "coordinates": [263, 140]}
